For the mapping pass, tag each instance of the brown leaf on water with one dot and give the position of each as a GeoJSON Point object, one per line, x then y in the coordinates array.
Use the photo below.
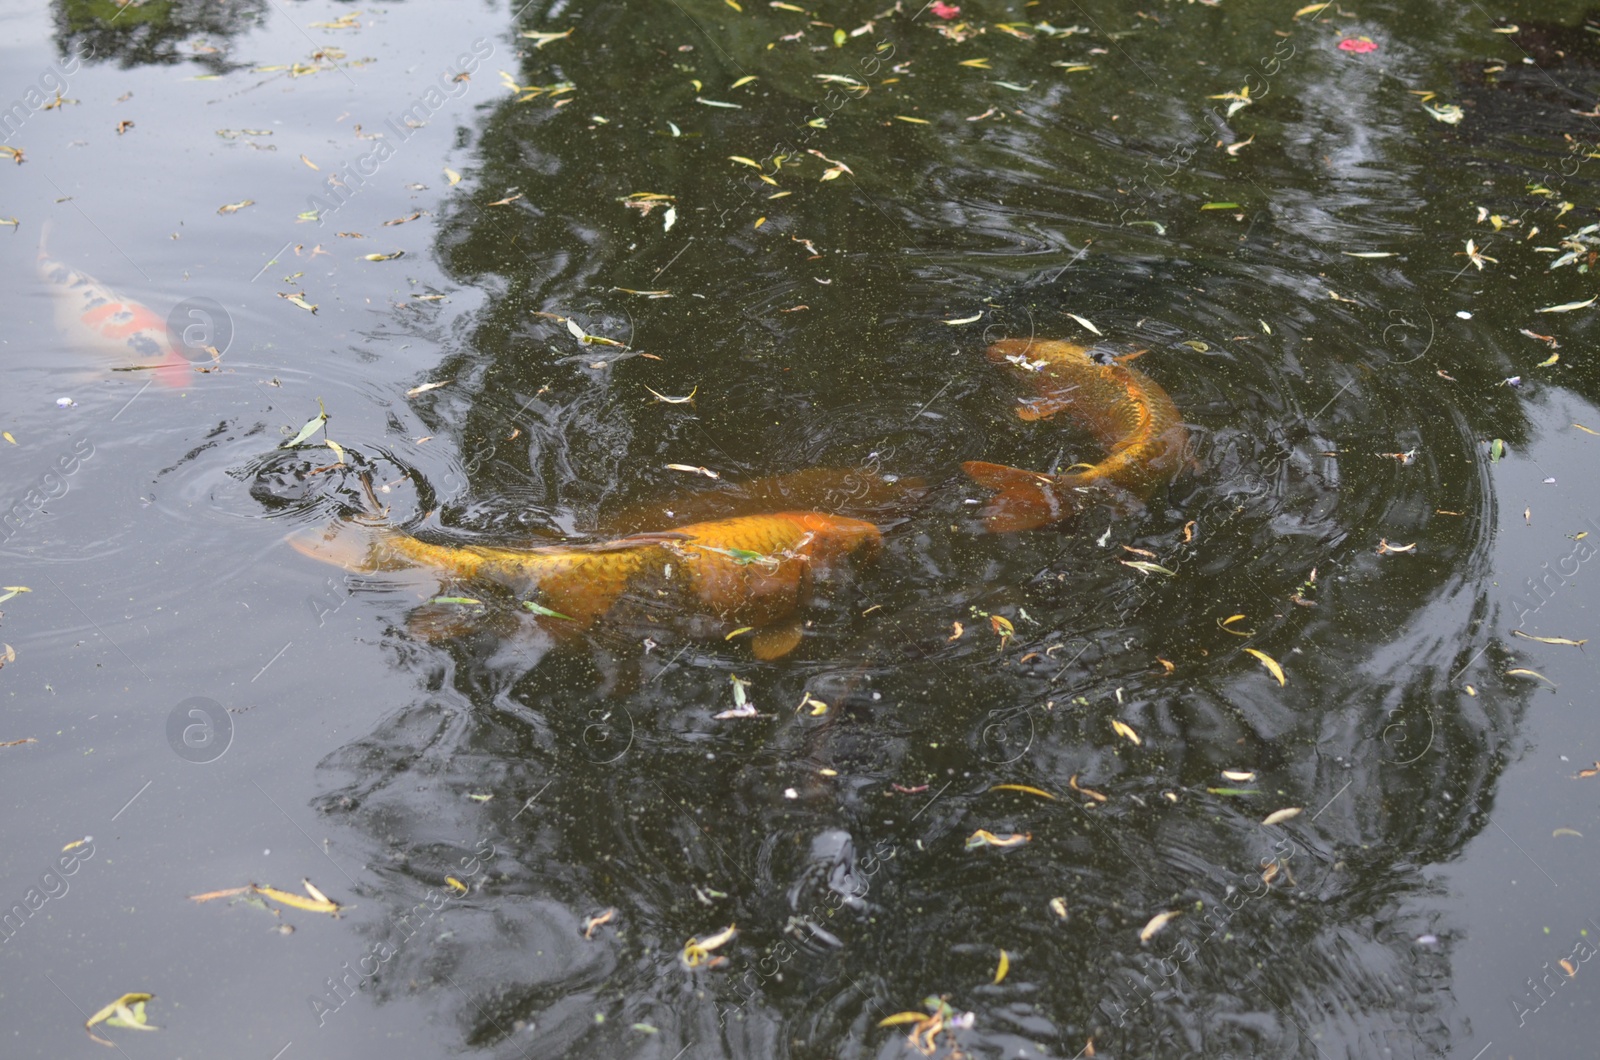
{"type": "Point", "coordinates": [956, 629]}
{"type": "Point", "coordinates": [403, 220]}
{"type": "Point", "coordinates": [226, 893]}
{"type": "Point", "coordinates": [1590, 772]}
{"type": "Point", "coordinates": [593, 922]}
{"type": "Point", "coordinates": [19, 743]}
{"type": "Point", "coordinates": [235, 207]}
{"type": "Point", "coordinates": [1525, 672]}
{"type": "Point", "coordinates": [1072, 782]}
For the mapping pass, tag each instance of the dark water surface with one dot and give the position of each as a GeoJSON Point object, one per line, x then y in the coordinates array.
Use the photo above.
{"type": "Point", "coordinates": [1386, 483]}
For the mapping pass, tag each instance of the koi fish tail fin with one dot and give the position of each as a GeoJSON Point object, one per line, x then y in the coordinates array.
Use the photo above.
{"type": "Point", "coordinates": [1023, 500]}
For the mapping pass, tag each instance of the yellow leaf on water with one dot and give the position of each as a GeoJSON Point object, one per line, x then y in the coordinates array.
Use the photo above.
{"type": "Point", "coordinates": [984, 837]}
{"type": "Point", "coordinates": [902, 1017]}
{"type": "Point", "coordinates": [1005, 966]}
{"type": "Point", "coordinates": [7, 436]}
{"type": "Point", "coordinates": [235, 207]}
{"type": "Point", "coordinates": [1025, 789]}
{"type": "Point", "coordinates": [1125, 730]}
{"type": "Point", "coordinates": [1157, 922]}
{"type": "Point", "coordinates": [914, 121]}
{"type": "Point", "coordinates": [745, 161]}
{"type": "Point", "coordinates": [1270, 663]}
{"type": "Point", "coordinates": [452, 176]}
{"type": "Point", "coordinates": [296, 901]}
{"type": "Point", "coordinates": [745, 80]}
{"type": "Point", "coordinates": [1523, 672]}
{"type": "Point", "coordinates": [120, 1003]}
{"type": "Point", "coordinates": [456, 885]}
{"type": "Point", "coordinates": [1559, 832]}
{"type": "Point", "coordinates": [1279, 816]}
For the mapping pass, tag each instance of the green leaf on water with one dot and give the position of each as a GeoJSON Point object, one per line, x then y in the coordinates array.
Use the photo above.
{"type": "Point", "coordinates": [540, 609]}
{"type": "Point", "coordinates": [1232, 791]}
{"type": "Point", "coordinates": [1221, 206]}
{"type": "Point", "coordinates": [1497, 449]}
{"type": "Point", "coordinates": [465, 600]}
{"type": "Point", "coordinates": [309, 429]}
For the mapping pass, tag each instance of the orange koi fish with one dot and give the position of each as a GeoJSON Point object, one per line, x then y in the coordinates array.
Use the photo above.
{"type": "Point", "coordinates": [862, 493]}
{"type": "Point", "coordinates": [1127, 412]}
{"type": "Point", "coordinates": [754, 570]}
{"type": "Point", "coordinates": [95, 316]}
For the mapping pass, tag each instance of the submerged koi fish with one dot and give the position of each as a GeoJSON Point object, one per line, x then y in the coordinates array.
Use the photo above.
{"type": "Point", "coordinates": [755, 570]}
{"type": "Point", "coordinates": [1125, 410]}
{"type": "Point", "coordinates": [94, 316]}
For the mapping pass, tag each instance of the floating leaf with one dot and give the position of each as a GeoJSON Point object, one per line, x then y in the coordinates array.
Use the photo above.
{"type": "Point", "coordinates": [1550, 640]}
{"type": "Point", "coordinates": [1279, 816]}
{"type": "Point", "coordinates": [707, 472]}
{"type": "Point", "coordinates": [1567, 307]}
{"type": "Point", "coordinates": [385, 257]}
{"type": "Point", "coordinates": [541, 39]}
{"type": "Point", "coordinates": [309, 429]}
{"type": "Point", "coordinates": [1146, 567]}
{"type": "Point", "coordinates": [902, 1017]}
{"type": "Point", "coordinates": [425, 387]}
{"type": "Point", "coordinates": [297, 901]}
{"type": "Point", "coordinates": [1221, 206]}
{"type": "Point", "coordinates": [1270, 663]}
{"type": "Point", "coordinates": [452, 176]}
{"type": "Point", "coordinates": [1005, 966]}
{"type": "Point", "coordinates": [965, 320]}
{"type": "Point", "coordinates": [13, 590]}
{"type": "Point", "coordinates": [675, 400]}
{"type": "Point", "coordinates": [984, 837]}
{"type": "Point", "coordinates": [1524, 672]}
{"type": "Point", "coordinates": [545, 612]}
{"type": "Point", "coordinates": [1025, 789]}
{"type": "Point", "coordinates": [1124, 730]}
{"type": "Point", "coordinates": [235, 207]}
{"type": "Point", "coordinates": [1243, 776]}
{"type": "Point", "coordinates": [1058, 906]}
{"type": "Point", "coordinates": [127, 1010]}
{"type": "Point", "coordinates": [1157, 922]}
{"type": "Point", "coordinates": [1086, 324]}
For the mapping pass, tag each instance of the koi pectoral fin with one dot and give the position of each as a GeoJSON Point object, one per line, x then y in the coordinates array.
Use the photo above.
{"type": "Point", "coordinates": [1023, 499]}
{"type": "Point", "coordinates": [776, 641]}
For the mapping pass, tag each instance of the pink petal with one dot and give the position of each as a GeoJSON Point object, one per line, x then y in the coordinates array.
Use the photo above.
{"type": "Point", "coordinates": [1359, 45]}
{"type": "Point", "coordinates": [944, 10]}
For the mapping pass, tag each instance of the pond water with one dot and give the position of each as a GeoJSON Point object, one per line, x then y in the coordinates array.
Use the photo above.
{"type": "Point", "coordinates": [1013, 788]}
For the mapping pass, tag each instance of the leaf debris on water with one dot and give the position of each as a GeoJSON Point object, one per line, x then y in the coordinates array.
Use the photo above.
{"type": "Point", "coordinates": [1522, 671]}
{"type": "Point", "coordinates": [694, 470]}
{"type": "Point", "coordinates": [126, 1011]}
{"type": "Point", "coordinates": [1550, 640]}
{"type": "Point", "coordinates": [1157, 922]}
{"type": "Point", "coordinates": [984, 837]}
{"type": "Point", "coordinates": [1124, 730]}
{"type": "Point", "coordinates": [697, 951]}
{"type": "Point", "coordinates": [1279, 816]}
{"type": "Point", "coordinates": [1025, 789]}
{"type": "Point", "coordinates": [1270, 663]}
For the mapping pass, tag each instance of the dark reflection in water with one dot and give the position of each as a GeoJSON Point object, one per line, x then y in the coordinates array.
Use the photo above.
{"type": "Point", "coordinates": [141, 34]}
{"type": "Point", "coordinates": [1327, 396]}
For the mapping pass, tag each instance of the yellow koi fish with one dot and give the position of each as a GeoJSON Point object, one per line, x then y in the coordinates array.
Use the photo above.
{"type": "Point", "coordinates": [1125, 410]}
{"type": "Point", "coordinates": [754, 570]}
